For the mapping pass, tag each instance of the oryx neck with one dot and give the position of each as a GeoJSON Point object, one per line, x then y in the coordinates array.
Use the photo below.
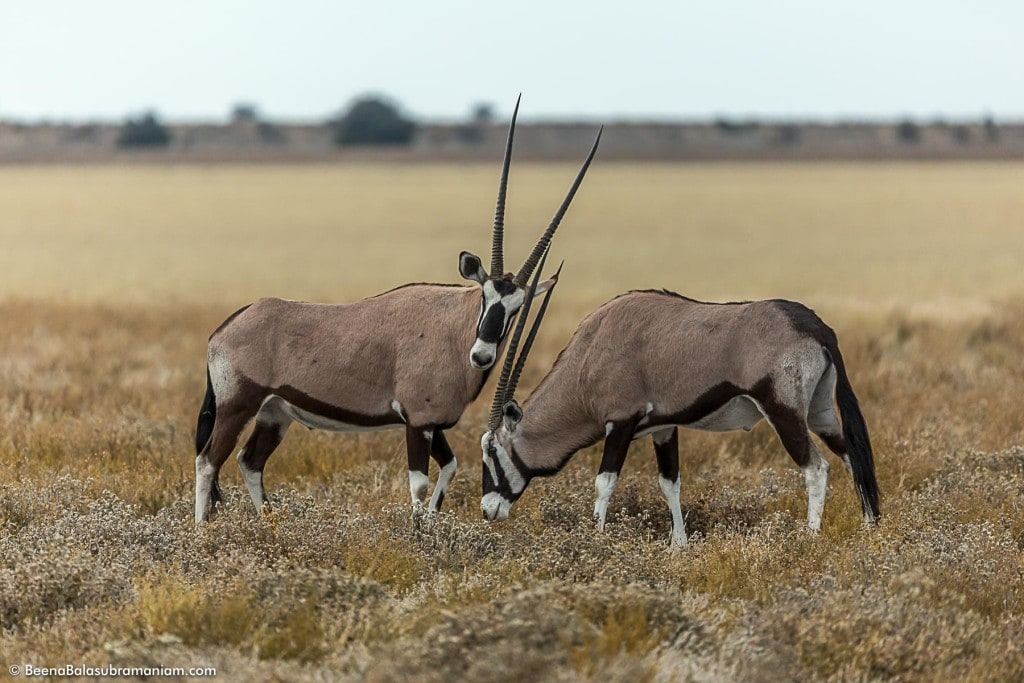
{"type": "Point", "coordinates": [556, 423]}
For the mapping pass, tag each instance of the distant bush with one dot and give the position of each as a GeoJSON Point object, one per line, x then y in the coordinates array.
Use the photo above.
{"type": "Point", "coordinates": [991, 129]}
{"type": "Point", "coordinates": [961, 134]}
{"type": "Point", "coordinates": [243, 112]}
{"type": "Point", "coordinates": [482, 113]}
{"type": "Point", "coordinates": [732, 127]}
{"type": "Point", "coordinates": [374, 120]}
{"type": "Point", "coordinates": [270, 134]}
{"type": "Point", "coordinates": [145, 131]}
{"type": "Point", "coordinates": [788, 134]}
{"type": "Point", "coordinates": [908, 132]}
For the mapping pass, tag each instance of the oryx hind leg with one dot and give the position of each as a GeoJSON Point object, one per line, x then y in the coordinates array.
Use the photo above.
{"type": "Point", "coordinates": [230, 422]}
{"type": "Point", "coordinates": [442, 454]}
{"type": "Point", "coordinates": [252, 459]}
{"type": "Point", "coordinates": [821, 415]}
{"type": "Point", "coordinates": [787, 407]}
{"type": "Point", "coordinates": [666, 449]}
{"type": "Point", "coordinates": [792, 431]}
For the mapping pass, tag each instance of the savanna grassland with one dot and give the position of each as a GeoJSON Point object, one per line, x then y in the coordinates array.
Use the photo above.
{"type": "Point", "coordinates": [111, 279]}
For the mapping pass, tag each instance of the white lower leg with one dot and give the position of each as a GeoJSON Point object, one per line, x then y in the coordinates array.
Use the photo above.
{"type": "Point", "coordinates": [816, 478]}
{"type": "Point", "coordinates": [605, 485]}
{"type": "Point", "coordinates": [253, 482]}
{"type": "Point", "coordinates": [443, 480]}
{"type": "Point", "coordinates": [205, 474]}
{"type": "Point", "coordinates": [670, 489]}
{"type": "Point", "coordinates": [418, 483]}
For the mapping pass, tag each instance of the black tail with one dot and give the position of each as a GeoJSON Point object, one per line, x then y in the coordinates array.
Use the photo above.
{"type": "Point", "coordinates": [207, 416]}
{"type": "Point", "coordinates": [858, 443]}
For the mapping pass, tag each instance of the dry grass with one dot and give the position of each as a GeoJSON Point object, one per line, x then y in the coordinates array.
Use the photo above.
{"type": "Point", "coordinates": [111, 279]}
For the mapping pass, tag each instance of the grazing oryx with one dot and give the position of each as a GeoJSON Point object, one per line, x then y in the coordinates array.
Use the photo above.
{"type": "Point", "coordinates": [649, 361]}
{"type": "Point", "coordinates": [412, 357]}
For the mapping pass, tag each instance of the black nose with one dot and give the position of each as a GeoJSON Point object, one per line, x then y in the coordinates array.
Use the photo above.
{"type": "Point", "coordinates": [480, 359]}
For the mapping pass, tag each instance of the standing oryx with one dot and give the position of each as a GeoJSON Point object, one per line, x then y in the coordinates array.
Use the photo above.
{"type": "Point", "coordinates": [412, 357]}
{"type": "Point", "coordinates": [648, 361]}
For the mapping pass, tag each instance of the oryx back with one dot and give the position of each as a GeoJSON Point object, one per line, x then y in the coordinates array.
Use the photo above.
{"type": "Point", "coordinates": [684, 362]}
{"type": "Point", "coordinates": [353, 366]}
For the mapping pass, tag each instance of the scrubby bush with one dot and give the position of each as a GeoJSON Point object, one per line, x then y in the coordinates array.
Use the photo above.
{"type": "Point", "coordinates": [374, 120]}
{"type": "Point", "coordinates": [144, 131]}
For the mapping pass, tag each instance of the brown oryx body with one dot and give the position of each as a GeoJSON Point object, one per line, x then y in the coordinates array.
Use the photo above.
{"type": "Point", "coordinates": [343, 368]}
{"type": "Point", "coordinates": [411, 358]}
{"type": "Point", "coordinates": [649, 361]}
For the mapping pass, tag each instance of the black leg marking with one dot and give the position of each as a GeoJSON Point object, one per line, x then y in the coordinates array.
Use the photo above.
{"type": "Point", "coordinates": [836, 443]}
{"type": "Point", "coordinates": [216, 496]}
{"type": "Point", "coordinates": [439, 448]}
{"type": "Point", "coordinates": [792, 432]}
{"type": "Point", "coordinates": [667, 453]}
{"type": "Point", "coordinates": [418, 450]}
{"type": "Point", "coordinates": [616, 446]}
{"type": "Point", "coordinates": [442, 454]}
{"type": "Point", "coordinates": [265, 438]}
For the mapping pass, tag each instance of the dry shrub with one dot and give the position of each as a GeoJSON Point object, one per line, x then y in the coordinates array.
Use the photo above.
{"type": "Point", "coordinates": [598, 631]}
{"type": "Point", "coordinates": [913, 630]}
{"type": "Point", "coordinates": [169, 606]}
{"type": "Point", "coordinates": [38, 582]}
{"type": "Point", "coordinates": [752, 565]}
{"type": "Point", "coordinates": [285, 613]}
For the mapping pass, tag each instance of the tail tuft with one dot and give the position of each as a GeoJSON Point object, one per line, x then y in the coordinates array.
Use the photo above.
{"type": "Point", "coordinates": [858, 443]}
{"type": "Point", "coordinates": [207, 416]}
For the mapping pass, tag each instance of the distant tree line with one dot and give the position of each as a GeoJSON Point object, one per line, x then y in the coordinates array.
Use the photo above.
{"type": "Point", "coordinates": [377, 120]}
{"type": "Point", "coordinates": [371, 120]}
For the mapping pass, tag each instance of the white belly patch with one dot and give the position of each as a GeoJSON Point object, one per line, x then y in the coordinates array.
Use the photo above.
{"type": "Point", "coordinates": [740, 412]}
{"type": "Point", "coordinates": [276, 409]}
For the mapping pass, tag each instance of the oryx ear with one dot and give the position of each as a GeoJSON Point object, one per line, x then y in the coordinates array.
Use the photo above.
{"type": "Point", "coordinates": [512, 414]}
{"type": "Point", "coordinates": [545, 286]}
{"type": "Point", "coordinates": [471, 268]}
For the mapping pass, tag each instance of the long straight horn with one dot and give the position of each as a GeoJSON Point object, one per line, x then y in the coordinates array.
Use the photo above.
{"type": "Point", "coordinates": [513, 381]}
{"type": "Point", "coordinates": [498, 237]}
{"type": "Point", "coordinates": [506, 370]}
{"type": "Point", "coordinates": [524, 273]}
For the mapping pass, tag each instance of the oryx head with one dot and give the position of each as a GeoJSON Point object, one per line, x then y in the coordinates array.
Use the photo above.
{"type": "Point", "coordinates": [504, 475]}
{"type": "Point", "coordinates": [503, 294]}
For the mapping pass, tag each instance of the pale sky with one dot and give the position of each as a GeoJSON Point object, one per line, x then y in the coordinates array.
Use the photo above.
{"type": "Point", "coordinates": [305, 59]}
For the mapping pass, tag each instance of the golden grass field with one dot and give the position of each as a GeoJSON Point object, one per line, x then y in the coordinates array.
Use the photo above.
{"type": "Point", "coordinates": [111, 279]}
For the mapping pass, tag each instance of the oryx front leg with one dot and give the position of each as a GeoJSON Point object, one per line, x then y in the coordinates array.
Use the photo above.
{"type": "Point", "coordinates": [605, 485]}
{"type": "Point", "coordinates": [666, 449]}
{"type": "Point", "coordinates": [616, 446]}
{"type": "Point", "coordinates": [417, 442]}
{"type": "Point", "coordinates": [442, 454]}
